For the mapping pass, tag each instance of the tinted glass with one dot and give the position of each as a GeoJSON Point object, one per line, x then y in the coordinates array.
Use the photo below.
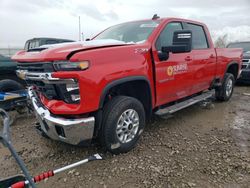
{"type": "Point", "coordinates": [199, 36]}
{"type": "Point", "coordinates": [26, 47]}
{"type": "Point", "coordinates": [33, 44]}
{"type": "Point", "coordinates": [166, 36]}
{"type": "Point", "coordinates": [51, 42]}
{"type": "Point", "coordinates": [130, 32]}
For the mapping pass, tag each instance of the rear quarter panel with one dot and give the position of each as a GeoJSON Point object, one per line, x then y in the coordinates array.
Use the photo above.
{"type": "Point", "coordinates": [226, 56]}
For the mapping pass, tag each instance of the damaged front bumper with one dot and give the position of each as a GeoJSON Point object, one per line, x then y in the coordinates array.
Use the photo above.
{"type": "Point", "coordinates": [72, 131]}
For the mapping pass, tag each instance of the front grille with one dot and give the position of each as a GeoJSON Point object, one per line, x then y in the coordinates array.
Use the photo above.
{"type": "Point", "coordinates": [246, 64]}
{"type": "Point", "coordinates": [243, 66]}
{"type": "Point", "coordinates": [246, 60]}
{"type": "Point", "coordinates": [47, 90]}
{"type": "Point", "coordinates": [36, 67]}
{"type": "Point", "coordinates": [50, 91]}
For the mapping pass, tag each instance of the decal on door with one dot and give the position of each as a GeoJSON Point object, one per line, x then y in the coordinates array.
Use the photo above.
{"type": "Point", "coordinates": [170, 70]}
{"type": "Point", "coordinates": [176, 69]}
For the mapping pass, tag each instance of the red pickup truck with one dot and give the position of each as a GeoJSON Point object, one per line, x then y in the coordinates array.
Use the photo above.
{"type": "Point", "coordinates": [108, 87]}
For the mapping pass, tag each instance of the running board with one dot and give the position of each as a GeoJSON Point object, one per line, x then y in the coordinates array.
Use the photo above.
{"type": "Point", "coordinates": [184, 104]}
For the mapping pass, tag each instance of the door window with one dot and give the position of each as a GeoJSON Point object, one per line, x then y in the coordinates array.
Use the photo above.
{"type": "Point", "coordinates": [199, 36]}
{"type": "Point", "coordinates": [166, 36]}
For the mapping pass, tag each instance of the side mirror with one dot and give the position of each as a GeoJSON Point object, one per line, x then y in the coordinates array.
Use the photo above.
{"type": "Point", "coordinates": [182, 42]}
{"type": "Point", "coordinates": [88, 39]}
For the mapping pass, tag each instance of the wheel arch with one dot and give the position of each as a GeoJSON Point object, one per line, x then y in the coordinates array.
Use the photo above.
{"type": "Point", "coordinates": [131, 82]}
{"type": "Point", "coordinates": [233, 68]}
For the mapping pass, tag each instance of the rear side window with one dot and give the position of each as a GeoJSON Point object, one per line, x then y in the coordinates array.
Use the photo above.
{"type": "Point", "coordinates": [199, 36]}
{"type": "Point", "coordinates": [34, 44]}
{"type": "Point", "coordinates": [51, 42]}
{"type": "Point", "coordinates": [166, 36]}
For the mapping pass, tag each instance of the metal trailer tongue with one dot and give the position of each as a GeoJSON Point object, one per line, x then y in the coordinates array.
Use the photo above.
{"type": "Point", "coordinates": [23, 181]}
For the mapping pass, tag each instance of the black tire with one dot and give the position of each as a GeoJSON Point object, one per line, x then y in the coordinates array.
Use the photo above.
{"type": "Point", "coordinates": [10, 85]}
{"type": "Point", "coordinates": [112, 112]}
{"type": "Point", "coordinates": [222, 93]}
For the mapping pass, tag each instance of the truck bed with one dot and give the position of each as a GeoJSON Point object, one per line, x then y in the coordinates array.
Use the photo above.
{"type": "Point", "coordinates": [225, 56]}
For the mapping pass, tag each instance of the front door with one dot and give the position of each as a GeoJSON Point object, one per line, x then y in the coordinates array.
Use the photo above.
{"type": "Point", "coordinates": [173, 75]}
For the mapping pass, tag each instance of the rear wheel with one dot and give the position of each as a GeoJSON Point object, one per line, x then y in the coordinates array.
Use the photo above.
{"type": "Point", "coordinates": [123, 123]}
{"type": "Point", "coordinates": [225, 92]}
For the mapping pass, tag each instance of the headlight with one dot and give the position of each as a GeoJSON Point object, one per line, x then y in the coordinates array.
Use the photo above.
{"type": "Point", "coordinates": [71, 66]}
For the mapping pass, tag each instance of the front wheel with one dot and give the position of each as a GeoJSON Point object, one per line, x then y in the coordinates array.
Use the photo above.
{"type": "Point", "coordinates": [225, 92]}
{"type": "Point", "coordinates": [123, 123]}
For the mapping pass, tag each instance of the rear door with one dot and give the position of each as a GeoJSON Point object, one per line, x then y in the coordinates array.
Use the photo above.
{"type": "Point", "coordinates": [172, 74]}
{"type": "Point", "coordinates": [204, 59]}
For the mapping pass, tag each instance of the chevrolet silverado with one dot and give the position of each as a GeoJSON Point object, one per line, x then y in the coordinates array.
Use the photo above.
{"type": "Point", "coordinates": [108, 87]}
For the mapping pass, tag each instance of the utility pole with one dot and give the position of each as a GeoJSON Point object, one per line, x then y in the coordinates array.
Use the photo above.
{"type": "Point", "coordinates": [82, 37]}
{"type": "Point", "coordinates": [9, 50]}
{"type": "Point", "coordinates": [80, 28]}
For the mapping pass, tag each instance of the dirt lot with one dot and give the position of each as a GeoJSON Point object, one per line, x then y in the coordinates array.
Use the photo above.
{"type": "Point", "coordinates": [201, 146]}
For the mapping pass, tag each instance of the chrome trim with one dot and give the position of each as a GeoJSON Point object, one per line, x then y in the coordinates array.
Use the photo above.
{"type": "Point", "coordinates": [44, 77]}
{"type": "Point", "coordinates": [246, 61]}
{"type": "Point", "coordinates": [75, 130]}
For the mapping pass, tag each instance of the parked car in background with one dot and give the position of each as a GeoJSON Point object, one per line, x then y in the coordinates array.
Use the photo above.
{"type": "Point", "coordinates": [245, 74]}
{"type": "Point", "coordinates": [36, 42]}
{"type": "Point", "coordinates": [8, 79]}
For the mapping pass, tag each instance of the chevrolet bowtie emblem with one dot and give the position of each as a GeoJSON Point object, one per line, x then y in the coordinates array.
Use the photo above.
{"type": "Point", "coordinates": [21, 74]}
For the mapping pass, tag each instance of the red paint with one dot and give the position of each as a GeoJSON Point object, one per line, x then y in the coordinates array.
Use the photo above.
{"type": "Point", "coordinates": [20, 184]}
{"type": "Point", "coordinates": [112, 63]}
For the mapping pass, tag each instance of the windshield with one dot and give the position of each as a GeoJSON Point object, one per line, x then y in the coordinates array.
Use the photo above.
{"type": "Point", "coordinates": [244, 45]}
{"type": "Point", "coordinates": [132, 32]}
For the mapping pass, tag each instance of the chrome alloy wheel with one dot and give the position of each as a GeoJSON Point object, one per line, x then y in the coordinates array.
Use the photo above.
{"type": "Point", "coordinates": [229, 87]}
{"type": "Point", "coordinates": [127, 126]}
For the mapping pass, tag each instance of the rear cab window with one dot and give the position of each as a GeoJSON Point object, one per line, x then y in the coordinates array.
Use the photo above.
{"type": "Point", "coordinates": [199, 36]}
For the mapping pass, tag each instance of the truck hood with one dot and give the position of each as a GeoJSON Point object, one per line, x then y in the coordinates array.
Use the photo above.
{"type": "Point", "coordinates": [64, 50]}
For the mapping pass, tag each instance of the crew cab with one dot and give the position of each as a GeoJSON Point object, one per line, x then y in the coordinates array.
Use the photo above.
{"type": "Point", "coordinates": [108, 87]}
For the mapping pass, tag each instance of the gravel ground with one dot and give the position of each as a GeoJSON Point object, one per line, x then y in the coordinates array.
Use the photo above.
{"type": "Point", "coordinates": [206, 145]}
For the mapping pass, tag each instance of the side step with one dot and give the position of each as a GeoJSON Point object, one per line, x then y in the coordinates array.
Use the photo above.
{"type": "Point", "coordinates": [184, 104]}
